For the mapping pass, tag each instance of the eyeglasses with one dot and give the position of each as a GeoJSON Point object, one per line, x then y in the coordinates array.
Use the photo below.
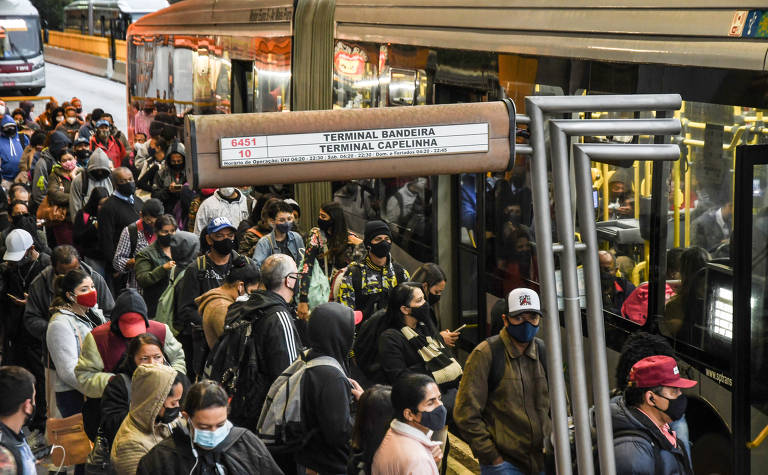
{"type": "Point", "coordinates": [295, 275]}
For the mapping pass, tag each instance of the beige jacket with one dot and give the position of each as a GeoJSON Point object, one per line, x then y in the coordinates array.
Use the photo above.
{"type": "Point", "coordinates": [139, 432]}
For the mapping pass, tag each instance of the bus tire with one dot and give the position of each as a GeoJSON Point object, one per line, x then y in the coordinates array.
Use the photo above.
{"type": "Point", "coordinates": [33, 91]}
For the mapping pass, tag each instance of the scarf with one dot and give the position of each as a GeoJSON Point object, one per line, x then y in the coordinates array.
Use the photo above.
{"type": "Point", "coordinates": [443, 368]}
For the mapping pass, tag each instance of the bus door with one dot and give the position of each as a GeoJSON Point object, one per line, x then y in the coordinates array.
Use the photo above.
{"type": "Point", "coordinates": [749, 318]}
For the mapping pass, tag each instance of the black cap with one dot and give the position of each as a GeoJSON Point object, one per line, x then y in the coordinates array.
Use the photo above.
{"type": "Point", "coordinates": [375, 228]}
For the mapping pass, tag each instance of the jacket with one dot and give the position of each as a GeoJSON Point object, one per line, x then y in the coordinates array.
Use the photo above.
{"type": "Point", "coordinates": [16, 280]}
{"type": "Point", "coordinates": [116, 400]}
{"type": "Point", "coordinates": [512, 421]}
{"type": "Point", "coordinates": [165, 176]}
{"type": "Point", "coordinates": [64, 338]}
{"type": "Point", "coordinates": [405, 450]}
{"type": "Point", "coordinates": [36, 313]}
{"type": "Point", "coordinates": [326, 397]}
{"type": "Point", "coordinates": [44, 165]}
{"type": "Point", "coordinates": [151, 276]}
{"type": "Point", "coordinates": [216, 205]}
{"type": "Point", "coordinates": [115, 215]}
{"type": "Point", "coordinates": [706, 231]}
{"type": "Point", "coordinates": [59, 185]}
{"type": "Point", "coordinates": [69, 129]}
{"type": "Point", "coordinates": [104, 346]}
{"type": "Point", "coordinates": [78, 196]}
{"type": "Point", "coordinates": [85, 234]}
{"type": "Point", "coordinates": [268, 246]}
{"type": "Point", "coordinates": [139, 432]}
{"type": "Point", "coordinates": [375, 284]}
{"type": "Point", "coordinates": [317, 252]}
{"type": "Point", "coordinates": [212, 307]}
{"type": "Point", "coordinates": [10, 151]}
{"type": "Point", "coordinates": [16, 444]}
{"type": "Point", "coordinates": [123, 251]}
{"type": "Point", "coordinates": [634, 454]}
{"type": "Point", "coordinates": [113, 148]}
{"type": "Point", "coordinates": [241, 453]}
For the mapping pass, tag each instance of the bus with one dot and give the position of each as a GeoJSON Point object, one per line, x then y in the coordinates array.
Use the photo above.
{"type": "Point", "coordinates": [107, 17]}
{"type": "Point", "coordinates": [22, 66]}
{"type": "Point", "coordinates": [225, 57]}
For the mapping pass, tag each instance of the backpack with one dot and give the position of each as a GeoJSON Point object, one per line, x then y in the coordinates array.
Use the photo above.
{"type": "Point", "coordinates": [498, 360]}
{"type": "Point", "coordinates": [280, 426]}
{"type": "Point", "coordinates": [366, 347]}
{"type": "Point", "coordinates": [233, 362]}
{"type": "Point", "coordinates": [374, 301]}
{"type": "Point", "coordinates": [165, 304]}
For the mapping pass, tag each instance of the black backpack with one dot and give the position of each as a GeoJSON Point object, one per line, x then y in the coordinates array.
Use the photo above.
{"type": "Point", "coordinates": [366, 347]}
{"type": "Point", "coordinates": [498, 360]}
{"type": "Point", "coordinates": [234, 363]}
{"type": "Point", "coordinates": [373, 303]}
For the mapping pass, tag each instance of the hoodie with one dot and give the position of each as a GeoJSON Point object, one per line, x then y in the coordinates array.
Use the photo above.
{"type": "Point", "coordinates": [78, 196]}
{"type": "Point", "coordinates": [216, 205]}
{"type": "Point", "coordinates": [105, 345]}
{"type": "Point", "coordinates": [10, 151]}
{"type": "Point", "coordinates": [56, 143]}
{"type": "Point", "coordinates": [213, 306]}
{"type": "Point", "coordinates": [326, 398]}
{"type": "Point", "coordinates": [140, 430]}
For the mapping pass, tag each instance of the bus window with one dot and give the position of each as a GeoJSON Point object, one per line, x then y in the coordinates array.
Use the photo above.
{"type": "Point", "coordinates": [356, 75]}
{"type": "Point", "coordinates": [19, 38]}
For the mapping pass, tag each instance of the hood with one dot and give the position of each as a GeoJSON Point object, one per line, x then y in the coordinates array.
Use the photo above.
{"type": "Point", "coordinates": [331, 330]}
{"type": "Point", "coordinates": [7, 119]}
{"type": "Point", "coordinates": [213, 294]}
{"type": "Point", "coordinates": [99, 161]}
{"type": "Point", "coordinates": [184, 248]}
{"type": "Point", "coordinates": [177, 147]}
{"type": "Point", "coordinates": [150, 385]}
{"type": "Point", "coordinates": [129, 300]}
{"type": "Point", "coordinates": [635, 307]}
{"type": "Point", "coordinates": [58, 142]}
{"type": "Point", "coordinates": [261, 300]}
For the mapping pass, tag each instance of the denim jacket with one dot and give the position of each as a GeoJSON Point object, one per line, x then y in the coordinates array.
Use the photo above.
{"type": "Point", "coordinates": [268, 246]}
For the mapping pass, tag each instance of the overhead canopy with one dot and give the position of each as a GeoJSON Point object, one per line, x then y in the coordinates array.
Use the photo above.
{"type": "Point", "coordinates": [310, 146]}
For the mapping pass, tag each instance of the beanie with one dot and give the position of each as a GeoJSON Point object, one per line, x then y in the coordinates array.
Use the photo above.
{"type": "Point", "coordinates": [373, 229]}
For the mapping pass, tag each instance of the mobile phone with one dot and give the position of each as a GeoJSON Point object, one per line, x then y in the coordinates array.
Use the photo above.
{"type": "Point", "coordinates": [460, 328]}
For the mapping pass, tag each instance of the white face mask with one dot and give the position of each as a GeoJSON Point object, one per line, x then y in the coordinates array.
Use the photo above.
{"type": "Point", "coordinates": [71, 120]}
{"type": "Point", "coordinates": [227, 191]}
{"type": "Point", "coordinates": [2, 109]}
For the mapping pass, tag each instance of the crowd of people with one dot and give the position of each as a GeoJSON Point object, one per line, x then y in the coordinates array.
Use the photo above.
{"type": "Point", "coordinates": [201, 331]}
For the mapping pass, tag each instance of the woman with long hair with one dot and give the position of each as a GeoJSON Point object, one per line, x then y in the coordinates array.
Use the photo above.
{"type": "Point", "coordinates": [432, 280]}
{"type": "Point", "coordinates": [331, 245]}
{"type": "Point", "coordinates": [85, 229]}
{"type": "Point", "coordinates": [374, 414]}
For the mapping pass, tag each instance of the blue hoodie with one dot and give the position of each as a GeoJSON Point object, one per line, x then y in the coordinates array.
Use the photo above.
{"type": "Point", "coordinates": [10, 151]}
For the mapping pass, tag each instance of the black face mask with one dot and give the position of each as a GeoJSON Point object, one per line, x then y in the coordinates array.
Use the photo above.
{"type": "Point", "coordinates": [325, 225]}
{"type": "Point", "coordinates": [171, 413]}
{"type": "Point", "coordinates": [99, 175]}
{"type": "Point", "coordinates": [164, 240]}
{"type": "Point", "coordinates": [676, 408]}
{"type": "Point", "coordinates": [223, 246]}
{"type": "Point", "coordinates": [9, 131]}
{"type": "Point", "coordinates": [79, 110]}
{"type": "Point", "coordinates": [177, 166]}
{"type": "Point", "coordinates": [149, 228]}
{"type": "Point", "coordinates": [126, 189]}
{"type": "Point", "coordinates": [432, 299]}
{"type": "Point", "coordinates": [83, 155]}
{"type": "Point", "coordinates": [381, 249]}
{"type": "Point", "coordinates": [29, 417]}
{"type": "Point", "coordinates": [513, 218]}
{"type": "Point", "coordinates": [606, 278]}
{"type": "Point", "coordinates": [421, 313]}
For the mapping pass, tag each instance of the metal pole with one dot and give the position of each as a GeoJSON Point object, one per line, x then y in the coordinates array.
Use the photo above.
{"type": "Point", "coordinates": [657, 257]}
{"type": "Point", "coordinates": [545, 258]}
{"type": "Point", "coordinates": [577, 372]}
{"type": "Point", "coordinates": [90, 17]}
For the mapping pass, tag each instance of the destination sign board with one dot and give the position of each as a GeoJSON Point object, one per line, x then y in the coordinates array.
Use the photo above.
{"type": "Point", "coordinates": [353, 144]}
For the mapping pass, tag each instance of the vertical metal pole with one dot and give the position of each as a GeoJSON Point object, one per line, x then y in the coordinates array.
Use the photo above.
{"type": "Point", "coordinates": [90, 17]}
{"type": "Point", "coordinates": [600, 385]}
{"type": "Point", "coordinates": [546, 263]}
{"type": "Point", "coordinates": [657, 258]}
{"type": "Point", "coordinates": [576, 368]}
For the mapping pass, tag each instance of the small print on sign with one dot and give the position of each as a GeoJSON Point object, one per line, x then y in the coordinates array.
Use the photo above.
{"type": "Point", "coordinates": [353, 144]}
{"type": "Point", "coordinates": [737, 24]}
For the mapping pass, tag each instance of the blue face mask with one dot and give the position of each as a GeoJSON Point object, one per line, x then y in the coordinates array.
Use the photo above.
{"type": "Point", "coordinates": [209, 439]}
{"type": "Point", "coordinates": [523, 332]}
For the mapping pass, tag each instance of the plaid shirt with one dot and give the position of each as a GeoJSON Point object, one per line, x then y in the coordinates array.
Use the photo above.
{"type": "Point", "coordinates": [123, 253]}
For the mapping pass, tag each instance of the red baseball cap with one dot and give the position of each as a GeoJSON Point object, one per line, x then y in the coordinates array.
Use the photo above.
{"type": "Point", "coordinates": [132, 324]}
{"type": "Point", "coordinates": [657, 371]}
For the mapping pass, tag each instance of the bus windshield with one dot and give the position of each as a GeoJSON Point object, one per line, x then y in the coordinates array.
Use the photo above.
{"type": "Point", "coordinates": [19, 37]}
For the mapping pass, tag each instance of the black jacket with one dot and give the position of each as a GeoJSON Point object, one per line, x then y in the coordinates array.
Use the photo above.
{"type": "Point", "coordinates": [114, 215]}
{"type": "Point", "coordinates": [16, 280]}
{"type": "Point", "coordinates": [326, 399]}
{"type": "Point", "coordinates": [85, 236]}
{"type": "Point", "coordinates": [116, 401]}
{"type": "Point", "coordinates": [199, 277]}
{"type": "Point", "coordinates": [398, 357]}
{"type": "Point", "coordinates": [241, 453]}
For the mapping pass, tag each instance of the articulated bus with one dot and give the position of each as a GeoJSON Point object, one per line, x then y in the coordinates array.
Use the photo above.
{"type": "Point", "coordinates": [229, 56]}
{"type": "Point", "coordinates": [22, 66]}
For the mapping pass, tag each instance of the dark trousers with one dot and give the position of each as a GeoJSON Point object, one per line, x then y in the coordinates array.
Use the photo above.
{"type": "Point", "coordinates": [195, 347]}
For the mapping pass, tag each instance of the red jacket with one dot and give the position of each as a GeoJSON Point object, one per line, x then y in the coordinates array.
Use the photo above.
{"type": "Point", "coordinates": [114, 150]}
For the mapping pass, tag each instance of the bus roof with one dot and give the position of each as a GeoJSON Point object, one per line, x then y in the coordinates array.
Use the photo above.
{"type": "Point", "coordinates": [17, 7]}
{"type": "Point", "coordinates": [125, 6]}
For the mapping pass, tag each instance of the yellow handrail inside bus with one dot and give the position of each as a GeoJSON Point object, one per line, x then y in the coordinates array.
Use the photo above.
{"type": "Point", "coordinates": [759, 439]}
{"type": "Point", "coordinates": [638, 269]}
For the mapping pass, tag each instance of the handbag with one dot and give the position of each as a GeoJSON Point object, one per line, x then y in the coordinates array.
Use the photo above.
{"type": "Point", "coordinates": [69, 434]}
{"type": "Point", "coordinates": [319, 287]}
{"type": "Point", "coordinates": [98, 462]}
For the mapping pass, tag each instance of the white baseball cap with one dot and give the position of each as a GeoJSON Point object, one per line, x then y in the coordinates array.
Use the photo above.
{"type": "Point", "coordinates": [523, 300]}
{"type": "Point", "coordinates": [17, 243]}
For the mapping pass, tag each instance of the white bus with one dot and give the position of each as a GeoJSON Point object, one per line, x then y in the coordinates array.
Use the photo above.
{"type": "Point", "coordinates": [22, 66]}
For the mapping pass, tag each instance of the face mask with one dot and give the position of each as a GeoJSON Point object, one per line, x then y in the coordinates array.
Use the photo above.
{"type": "Point", "coordinates": [83, 155]}
{"type": "Point", "coordinates": [59, 118]}
{"type": "Point", "coordinates": [126, 189]}
{"type": "Point", "coordinates": [224, 246]}
{"type": "Point", "coordinates": [177, 166]}
{"type": "Point", "coordinates": [149, 228]}
{"type": "Point", "coordinates": [165, 240]}
{"type": "Point", "coordinates": [284, 227]}
{"type": "Point", "coordinates": [71, 120]}
{"type": "Point", "coordinates": [9, 131]}
{"type": "Point", "coordinates": [171, 413]}
{"type": "Point", "coordinates": [523, 332]}
{"type": "Point", "coordinates": [676, 408]}
{"type": "Point", "coordinates": [606, 278]}
{"type": "Point", "coordinates": [99, 175]}
{"type": "Point", "coordinates": [88, 299]}
{"type": "Point", "coordinates": [227, 192]}
{"type": "Point", "coordinates": [513, 218]}
{"type": "Point", "coordinates": [2, 110]}
{"type": "Point", "coordinates": [19, 123]}
{"type": "Point", "coordinates": [434, 419]}
{"type": "Point", "coordinates": [79, 110]}
{"type": "Point", "coordinates": [381, 249]}
{"type": "Point", "coordinates": [295, 287]}
{"type": "Point", "coordinates": [420, 313]}
{"type": "Point", "coordinates": [324, 225]}
{"type": "Point", "coordinates": [31, 415]}
{"type": "Point", "coordinates": [69, 165]}
{"type": "Point", "coordinates": [432, 299]}
{"type": "Point", "coordinates": [209, 439]}
{"type": "Point", "coordinates": [103, 134]}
